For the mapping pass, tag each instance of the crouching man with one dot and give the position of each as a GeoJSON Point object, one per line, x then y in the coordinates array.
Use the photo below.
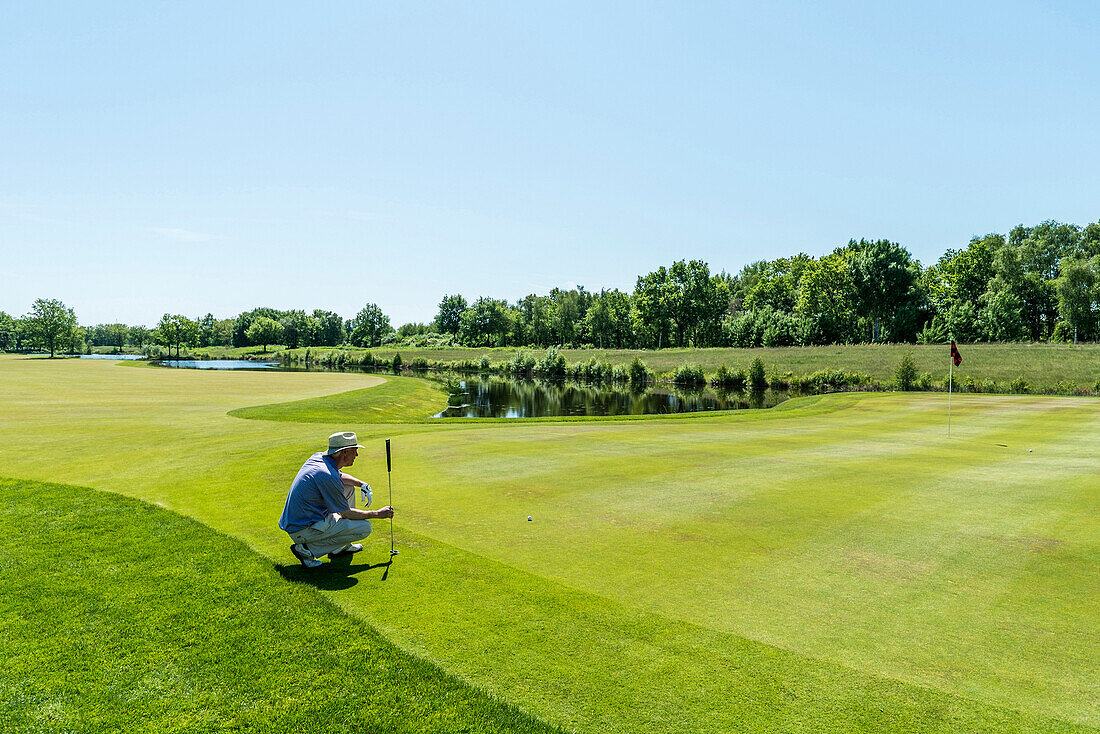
{"type": "Point", "coordinates": [319, 514]}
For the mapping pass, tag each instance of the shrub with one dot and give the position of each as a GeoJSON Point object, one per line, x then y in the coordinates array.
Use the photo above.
{"type": "Point", "coordinates": [419, 364]}
{"type": "Point", "coordinates": [397, 363]}
{"type": "Point", "coordinates": [780, 382]}
{"type": "Point", "coordinates": [828, 380]}
{"type": "Point", "coordinates": [757, 380]}
{"type": "Point", "coordinates": [728, 379]}
{"type": "Point", "coordinates": [690, 375]}
{"type": "Point", "coordinates": [484, 364]}
{"type": "Point", "coordinates": [638, 373]}
{"type": "Point", "coordinates": [1019, 385]}
{"type": "Point", "coordinates": [522, 364]}
{"type": "Point", "coordinates": [552, 365]}
{"type": "Point", "coordinates": [925, 381]}
{"type": "Point", "coordinates": [905, 375]}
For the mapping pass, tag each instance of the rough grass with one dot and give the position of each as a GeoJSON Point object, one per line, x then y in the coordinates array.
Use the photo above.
{"type": "Point", "coordinates": [1043, 365]}
{"type": "Point", "coordinates": [119, 616]}
{"type": "Point", "coordinates": [836, 565]}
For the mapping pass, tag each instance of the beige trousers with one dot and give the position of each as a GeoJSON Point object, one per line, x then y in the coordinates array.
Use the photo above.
{"type": "Point", "coordinates": [331, 534]}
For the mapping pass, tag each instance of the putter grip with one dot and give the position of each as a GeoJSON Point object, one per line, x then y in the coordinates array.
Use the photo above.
{"type": "Point", "coordinates": [387, 455]}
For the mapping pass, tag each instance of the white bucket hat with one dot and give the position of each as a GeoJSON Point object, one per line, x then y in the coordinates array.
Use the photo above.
{"type": "Point", "coordinates": [341, 441]}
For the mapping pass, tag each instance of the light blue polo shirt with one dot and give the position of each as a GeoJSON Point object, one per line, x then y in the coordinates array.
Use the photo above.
{"type": "Point", "coordinates": [315, 493]}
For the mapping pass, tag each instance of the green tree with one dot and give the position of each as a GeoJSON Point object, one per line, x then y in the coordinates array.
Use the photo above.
{"type": "Point", "coordinates": [176, 330]}
{"type": "Point", "coordinates": [331, 332]}
{"type": "Point", "coordinates": [449, 318]}
{"type": "Point", "coordinates": [654, 301]}
{"type": "Point", "coordinates": [7, 332]}
{"type": "Point", "coordinates": [776, 283]}
{"type": "Point", "coordinates": [538, 315]}
{"type": "Point", "coordinates": [244, 321]}
{"type": "Point", "coordinates": [827, 299]}
{"type": "Point", "coordinates": [299, 329]}
{"type": "Point", "coordinates": [139, 336]}
{"type": "Point", "coordinates": [369, 326]}
{"type": "Point", "coordinates": [485, 323]}
{"type": "Point", "coordinates": [264, 330]}
{"type": "Point", "coordinates": [1078, 292]}
{"type": "Point", "coordinates": [568, 314]}
{"type": "Point", "coordinates": [50, 324]}
{"type": "Point", "coordinates": [886, 277]}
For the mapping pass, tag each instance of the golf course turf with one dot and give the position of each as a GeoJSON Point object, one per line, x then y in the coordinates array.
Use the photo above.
{"type": "Point", "coordinates": [838, 564]}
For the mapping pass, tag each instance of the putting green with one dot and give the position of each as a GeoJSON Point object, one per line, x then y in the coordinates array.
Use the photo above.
{"type": "Point", "coordinates": [836, 564]}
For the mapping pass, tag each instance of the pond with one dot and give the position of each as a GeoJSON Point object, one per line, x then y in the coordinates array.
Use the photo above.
{"type": "Point", "coordinates": [115, 357]}
{"type": "Point", "coordinates": [217, 364]}
{"type": "Point", "coordinates": [486, 396]}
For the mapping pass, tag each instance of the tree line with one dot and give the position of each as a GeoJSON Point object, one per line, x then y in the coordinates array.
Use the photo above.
{"type": "Point", "coordinates": [1039, 283]}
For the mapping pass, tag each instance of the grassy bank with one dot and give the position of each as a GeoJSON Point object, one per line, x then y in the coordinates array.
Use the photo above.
{"type": "Point", "coordinates": [110, 626]}
{"type": "Point", "coordinates": [1043, 366]}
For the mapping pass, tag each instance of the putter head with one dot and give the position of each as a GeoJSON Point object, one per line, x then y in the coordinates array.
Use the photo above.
{"type": "Point", "coordinates": [394, 552]}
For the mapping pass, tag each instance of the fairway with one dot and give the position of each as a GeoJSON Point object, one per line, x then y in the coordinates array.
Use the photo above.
{"type": "Point", "coordinates": [834, 564]}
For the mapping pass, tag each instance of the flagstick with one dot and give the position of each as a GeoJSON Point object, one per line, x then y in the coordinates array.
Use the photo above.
{"type": "Point", "coordinates": [950, 374]}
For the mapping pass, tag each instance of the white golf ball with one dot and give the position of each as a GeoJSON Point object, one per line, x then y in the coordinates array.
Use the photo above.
{"type": "Point", "coordinates": [1029, 451]}
{"type": "Point", "coordinates": [528, 518]}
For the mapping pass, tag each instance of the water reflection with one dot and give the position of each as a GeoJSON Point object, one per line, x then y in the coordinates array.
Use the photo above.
{"type": "Point", "coordinates": [491, 397]}
{"type": "Point", "coordinates": [218, 364]}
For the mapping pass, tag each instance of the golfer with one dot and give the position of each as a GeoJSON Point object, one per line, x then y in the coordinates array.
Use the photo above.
{"type": "Point", "coordinates": [319, 514]}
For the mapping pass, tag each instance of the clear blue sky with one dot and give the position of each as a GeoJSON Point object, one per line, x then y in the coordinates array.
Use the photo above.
{"type": "Point", "coordinates": [194, 157]}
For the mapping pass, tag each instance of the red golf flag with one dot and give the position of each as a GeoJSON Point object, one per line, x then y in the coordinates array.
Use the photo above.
{"type": "Point", "coordinates": [955, 356]}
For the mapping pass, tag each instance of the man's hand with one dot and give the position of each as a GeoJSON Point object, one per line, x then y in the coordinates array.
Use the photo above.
{"type": "Point", "coordinates": [383, 513]}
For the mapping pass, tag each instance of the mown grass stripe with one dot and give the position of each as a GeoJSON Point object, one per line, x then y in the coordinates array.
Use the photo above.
{"type": "Point", "coordinates": [119, 616]}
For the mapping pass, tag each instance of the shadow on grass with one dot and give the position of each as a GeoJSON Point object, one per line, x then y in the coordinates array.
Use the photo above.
{"type": "Point", "coordinates": [339, 573]}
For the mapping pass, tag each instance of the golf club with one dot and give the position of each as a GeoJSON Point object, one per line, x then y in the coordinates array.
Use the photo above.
{"type": "Point", "coordinates": [389, 481]}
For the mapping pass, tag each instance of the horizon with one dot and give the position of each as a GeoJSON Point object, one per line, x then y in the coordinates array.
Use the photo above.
{"type": "Point", "coordinates": [206, 159]}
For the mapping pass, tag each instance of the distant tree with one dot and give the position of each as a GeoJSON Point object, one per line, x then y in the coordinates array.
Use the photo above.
{"type": "Point", "coordinates": [244, 321]}
{"type": "Point", "coordinates": [413, 329]}
{"type": "Point", "coordinates": [569, 310]}
{"type": "Point", "coordinates": [654, 300]}
{"type": "Point", "coordinates": [537, 318]}
{"type": "Point", "coordinates": [176, 330]}
{"type": "Point", "coordinates": [886, 277]}
{"type": "Point", "coordinates": [7, 332]}
{"type": "Point", "coordinates": [264, 331]}
{"type": "Point", "coordinates": [369, 326]}
{"type": "Point", "coordinates": [449, 318]}
{"type": "Point", "coordinates": [330, 331]}
{"type": "Point", "coordinates": [139, 336]}
{"type": "Point", "coordinates": [827, 299]}
{"type": "Point", "coordinates": [486, 323]}
{"type": "Point", "coordinates": [1001, 317]}
{"type": "Point", "coordinates": [50, 324]}
{"type": "Point", "coordinates": [298, 329]}
{"type": "Point", "coordinates": [207, 326]}
{"type": "Point", "coordinates": [598, 324]}
{"type": "Point", "coordinates": [1089, 245]}
{"type": "Point", "coordinates": [776, 283]}
{"type": "Point", "coordinates": [1078, 291]}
